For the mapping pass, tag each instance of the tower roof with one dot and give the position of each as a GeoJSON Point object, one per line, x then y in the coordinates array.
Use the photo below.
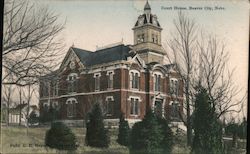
{"type": "Point", "coordinates": [147, 18]}
{"type": "Point", "coordinates": [147, 6]}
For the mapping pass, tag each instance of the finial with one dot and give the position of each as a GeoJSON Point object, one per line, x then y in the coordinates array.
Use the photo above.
{"type": "Point", "coordinates": [147, 6]}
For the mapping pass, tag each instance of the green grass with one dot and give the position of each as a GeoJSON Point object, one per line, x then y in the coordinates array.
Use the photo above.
{"type": "Point", "coordinates": [16, 140]}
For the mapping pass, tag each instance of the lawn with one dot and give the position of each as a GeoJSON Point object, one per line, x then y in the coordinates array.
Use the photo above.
{"type": "Point", "coordinates": [17, 140]}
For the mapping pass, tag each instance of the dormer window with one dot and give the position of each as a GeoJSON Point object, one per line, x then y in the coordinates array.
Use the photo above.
{"type": "Point", "coordinates": [134, 79]}
{"type": "Point", "coordinates": [72, 82]}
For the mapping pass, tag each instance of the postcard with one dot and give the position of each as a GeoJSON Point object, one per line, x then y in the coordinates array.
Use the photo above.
{"type": "Point", "coordinates": [132, 76]}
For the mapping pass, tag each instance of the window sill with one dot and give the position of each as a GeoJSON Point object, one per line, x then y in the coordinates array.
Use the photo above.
{"type": "Point", "coordinates": [134, 89]}
{"type": "Point", "coordinates": [134, 115]}
{"type": "Point", "coordinates": [72, 92]}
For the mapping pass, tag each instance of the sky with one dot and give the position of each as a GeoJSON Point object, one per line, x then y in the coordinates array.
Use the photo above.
{"type": "Point", "coordinates": [97, 23]}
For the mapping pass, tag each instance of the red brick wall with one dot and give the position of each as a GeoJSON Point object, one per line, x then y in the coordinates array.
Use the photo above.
{"type": "Point", "coordinates": [86, 84]}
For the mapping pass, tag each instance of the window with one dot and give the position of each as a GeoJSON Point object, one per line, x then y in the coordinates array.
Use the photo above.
{"type": "Point", "coordinates": [175, 110]}
{"type": "Point", "coordinates": [72, 82]}
{"type": "Point", "coordinates": [55, 88]}
{"type": "Point", "coordinates": [156, 39]}
{"type": "Point", "coordinates": [134, 106]}
{"type": "Point", "coordinates": [174, 86]}
{"type": "Point", "coordinates": [157, 82]}
{"type": "Point", "coordinates": [109, 106]}
{"type": "Point", "coordinates": [44, 89]}
{"type": "Point", "coordinates": [71, 107]}
{"type": "Point", "coordinates": [110, 75]}
{"type": "Point", "coordinates": [140, 38]}
{"type": "Point", "coordinates": [55, 104]}
{"type": "Point", "coordinates": [134, 79]}
{"type": "Point", "coordinates": [46, 106]}
{"type": "Point", "coordinates": [97, 81]}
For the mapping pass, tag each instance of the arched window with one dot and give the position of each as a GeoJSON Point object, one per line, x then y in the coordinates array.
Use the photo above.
{"type": "Point", "coordinates": [97, 77]}
{"type": "Point", "coordinates": [71, 107]}
{"type": "Point", "coordinates": [134, 105]}
{"type": "Point", "coordinates": [72, 82]}
{"type": "Point", "coordinates": [174, 86]}
{"type": "Point", "coordinates": [157, 81]}
{"type": "Point", "coordinates": [175, 110]}
{"type": "Point", "coordinates": [134, 79]}
{"type": "Point", "coordinates": [109, 105]}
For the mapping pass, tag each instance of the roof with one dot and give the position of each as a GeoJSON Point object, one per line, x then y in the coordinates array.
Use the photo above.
{"type": "Point", "coordinates": [82, 54]}
{"type": "Point", "coordinates": [115, 53]}
{"type": "Point", "coordinates": [51, 74]}
{"type": "Point", "coordinates": [16, 110]}
{"type": "Point", "coordinates": [147, 6]}
{"type": "Point", "coordinates": [145, 20]}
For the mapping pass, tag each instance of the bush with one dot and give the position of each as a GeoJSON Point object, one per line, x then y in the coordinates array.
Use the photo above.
{"type": "Point", "coordinates": [96, 135]}
{"type": "Point", "coordinates": [167, 141]}
{"type": "Point", "coordinates": [237, 129]}
{"type": "Point", "coordinates": [33, 118]}
{"type": "Point", "coordinates": [60, 137]}
{"type": "Point", "coordinates": [123, 136]}
{"type": "Point", "coordinates": [151, 136]}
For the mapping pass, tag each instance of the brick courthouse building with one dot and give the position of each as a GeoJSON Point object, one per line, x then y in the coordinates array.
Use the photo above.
{"type": "Point", "coordinates": [126, 79]}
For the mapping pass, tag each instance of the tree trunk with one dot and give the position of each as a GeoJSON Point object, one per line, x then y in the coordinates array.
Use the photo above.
{"type": "Point", "coordinates": [20, 111]}
{"type": "Point", "coordinates": [189, 127]}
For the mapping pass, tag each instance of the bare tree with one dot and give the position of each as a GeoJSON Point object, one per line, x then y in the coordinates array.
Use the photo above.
{"type": "Point", "coordinates": [28, 97]}
{"type": "Point", "coordinates": [203, 60]}
{"type": "Point", "coordinates": [20, 91]}
{"type": "Point", "coordinates": [7, 99]}
{"type": "Point", "coordinates": [182, 47]}
{"type": "Point", "coordinates": [30, 42]}
{"type": "Point", "coordinates": [216, 77]}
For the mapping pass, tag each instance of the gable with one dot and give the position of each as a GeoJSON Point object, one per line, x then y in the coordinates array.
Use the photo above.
{"type": "Point", "coordinates": [71, 55]}
{"type": "Point", "coordinates": [138, 60]}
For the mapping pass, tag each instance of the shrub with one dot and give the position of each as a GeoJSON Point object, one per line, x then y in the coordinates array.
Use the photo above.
{"type": "Point", "coordinates": [151, 136]}
{"type": "Point", "coordinates": [167, 142]}
{"type": "Point", "coordinates": [123, 136]}
{"type": "Point", "coordinates": [96, 135]}
{"type": "Point", "coordinates": [33, 118]}
{"type": "Point", "coordinates": [60, 137]}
